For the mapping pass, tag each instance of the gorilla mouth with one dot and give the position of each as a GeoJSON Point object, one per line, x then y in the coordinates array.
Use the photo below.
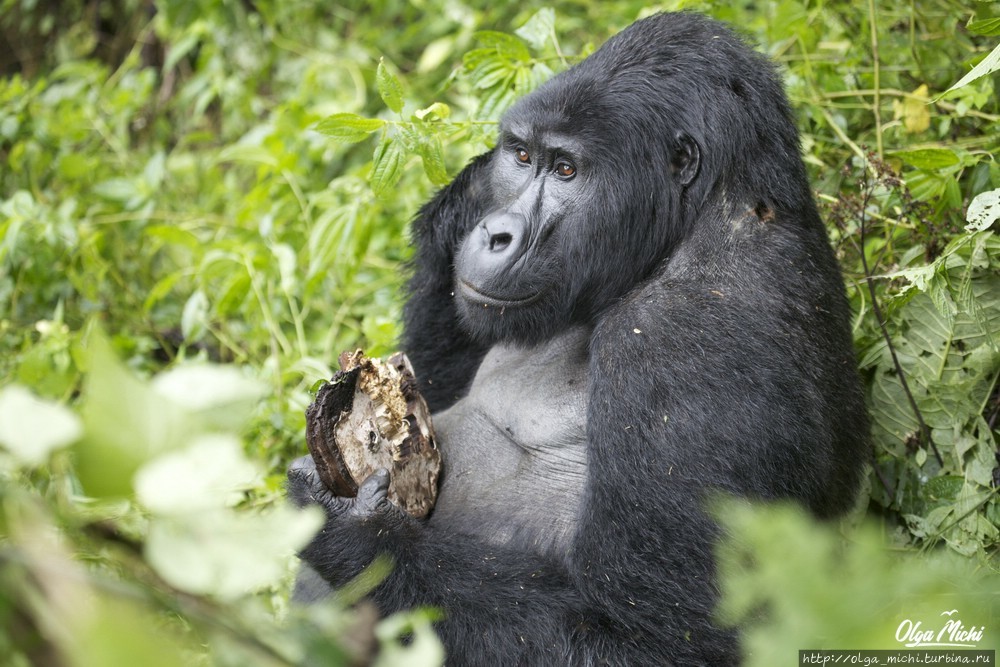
{"type": "Point", "coordinates": [477, 296]}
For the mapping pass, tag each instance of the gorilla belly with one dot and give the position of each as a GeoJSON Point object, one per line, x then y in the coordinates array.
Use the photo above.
{"type": "Point", "coordinates": [514, 449]}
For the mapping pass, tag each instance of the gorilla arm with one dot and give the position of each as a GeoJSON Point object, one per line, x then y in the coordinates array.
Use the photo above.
{"type": "Point", "coordinates": [497, 602]}
{"type": "Point", "coordinates": [444, 357]}
{"type": "Point", "coordinates": [698, 388]}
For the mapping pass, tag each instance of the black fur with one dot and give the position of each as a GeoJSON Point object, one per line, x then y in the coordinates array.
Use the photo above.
{"type": "Point", "coordinates": [687, 254]}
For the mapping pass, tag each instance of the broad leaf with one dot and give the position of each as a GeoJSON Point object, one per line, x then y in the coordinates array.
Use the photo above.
{"type": "Point", "coordinates": [348, 127]}
{"type": "Point", "coordinates": [389, 88]}
{"type": "Point", "coordinates": [387, 165]}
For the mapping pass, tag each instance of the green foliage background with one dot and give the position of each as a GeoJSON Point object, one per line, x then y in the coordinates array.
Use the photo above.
{"type": "Point", "coordinates": [202, 203]}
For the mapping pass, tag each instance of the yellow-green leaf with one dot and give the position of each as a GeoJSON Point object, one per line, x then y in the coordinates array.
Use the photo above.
{"type": "Point", "coordinates": [387, 165]}
{"type": "Point", "coordinates": [389, 88]}
{"type": "Point", "coordinates": [348, 127]}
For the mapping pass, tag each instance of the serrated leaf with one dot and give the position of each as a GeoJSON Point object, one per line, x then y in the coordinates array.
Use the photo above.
{"type": "Point", "coordinates": [348, 127]}
{"type": "Point", "coordinates": [432, 157]}
{"type": "Point", "coordinates": [490, 72]}
{"type": "Point", "coordinates": [387, 165]}
{"type": "Point", "coordinates": [987, 65]}
{"type": "Point", "coordinates": [947, 355]}
{"type": "Point", "coordinates": [389, 88]}
{"type": "Point", "coordinates": [929, 158]}
{"type": "Point", "coordinates": [492, 106]}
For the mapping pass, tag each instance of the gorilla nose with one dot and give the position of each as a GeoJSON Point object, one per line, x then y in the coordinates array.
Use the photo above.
{"type": "Point", "coordinates": [503, 234]}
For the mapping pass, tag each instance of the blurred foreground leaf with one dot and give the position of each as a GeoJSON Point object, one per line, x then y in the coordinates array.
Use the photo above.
{"type": "Point", "coordinates": [794, 584]}
{"type": "Point", "coordinates": [31, 428]}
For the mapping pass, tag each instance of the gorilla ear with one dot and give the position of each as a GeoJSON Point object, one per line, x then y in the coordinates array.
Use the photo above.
{"type": "Point", "coordinates": [686, 159]}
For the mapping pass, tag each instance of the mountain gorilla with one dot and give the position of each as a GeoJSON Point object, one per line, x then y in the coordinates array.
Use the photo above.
{"type": "Point", "coordinates": [626, 306]}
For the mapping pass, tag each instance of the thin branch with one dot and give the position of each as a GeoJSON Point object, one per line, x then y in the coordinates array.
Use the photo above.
{"type": "Point", "coordinates": [925, 431]}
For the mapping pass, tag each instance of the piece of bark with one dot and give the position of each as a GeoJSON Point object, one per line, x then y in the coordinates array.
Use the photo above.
{"type": "Point", "coordinates": [370, 416]}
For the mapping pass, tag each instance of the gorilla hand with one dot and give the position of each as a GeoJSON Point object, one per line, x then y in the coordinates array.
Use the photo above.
{"type": "Point", "coordinates": [305, 488]}
{"type": "Point", "coordinates": [356, 530]}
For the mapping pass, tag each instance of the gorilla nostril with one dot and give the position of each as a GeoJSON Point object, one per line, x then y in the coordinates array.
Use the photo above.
{"type": "Point", "coordinates": [499, 242]}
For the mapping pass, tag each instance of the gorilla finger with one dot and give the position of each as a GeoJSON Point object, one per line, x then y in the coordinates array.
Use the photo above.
{"type": "Point", "coordinates": [303, 481]}
{"type": "Point", "coordinates": [374, 491]}
{"type": "Point", "coordinates": [302, 464]}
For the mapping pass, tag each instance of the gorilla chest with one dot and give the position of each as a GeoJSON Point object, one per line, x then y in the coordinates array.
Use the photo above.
{"type": "Point", "coordinates": [514, 449]}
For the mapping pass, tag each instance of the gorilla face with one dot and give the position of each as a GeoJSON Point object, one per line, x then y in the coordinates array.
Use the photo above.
{"type": "Point", "coordinates": [512, 270]}
{"type": "Point", "coordinates": [564, 180]}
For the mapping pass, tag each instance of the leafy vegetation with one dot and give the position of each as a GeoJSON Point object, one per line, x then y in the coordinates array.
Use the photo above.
{"type": "Point", "coordinates": [202, 204]}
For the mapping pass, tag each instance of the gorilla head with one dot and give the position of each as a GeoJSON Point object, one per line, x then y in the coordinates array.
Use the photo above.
{"type": "Point", "coordinates": [627, 146]}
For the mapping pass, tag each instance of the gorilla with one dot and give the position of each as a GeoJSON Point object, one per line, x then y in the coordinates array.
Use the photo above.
{"type": "Point", "coordinates": [628, 306]}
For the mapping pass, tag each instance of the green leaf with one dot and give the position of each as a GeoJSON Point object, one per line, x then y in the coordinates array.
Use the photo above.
{"type": "Point", "coordinates": [215, 397]}
{"type": "Point", "coordinates": [433, 160]}
{"type": "Point", "coordinates": [179, 49]}
{"type": "Point", "coordinates": [504, 45]}
{"type": "Point", "coordinates": [408, 638]}
{"type": "Point", "coordinates": [194, 317]}
{"type": "Point", "coordinates": [117, 189]}
{"type": "Point", "coordinates": [988, 27]}
{"type": "Point", "coordinates": [929, 158]}
{"type": "Point", "coordinates": [227, 554]}
{"type": "Point", "coordinates": [348, 127]}
{"type": "Point", "coordinates": [248, 153]}
{"type": "Point", "coordinates": [845, 590]}
{"type": "Point", "coordinates": [389, 88]}
{"type": "Point", "coordinates": [173, 235]}
{"type": "Point", "coordinates": [211, 473]}
{"type": "Point", "coordinates": [126, 423]}
{"type": "Point", "coordinates": [438, 110]}
{"type": "Point", "coordinates": [987, 65]}
{"type": "Point", "coordinates": [494, 103]}
{"type": "Point", "coordinates": [287, 266]}
{"type": "Point", "coordinates": [983, 211]}
{"type": "Point", "coordinates": [387, 165]}
{"type": "Point", "coordinates": [330, 237]}
{"type": "Point", "coordinates": [435, 53]}
{"type": "Point", "coordinates": [492, 73]}
{"type": "Point", "coordinates": [539, 28]}
{"type": "Point", "coordinates": [31, 428]}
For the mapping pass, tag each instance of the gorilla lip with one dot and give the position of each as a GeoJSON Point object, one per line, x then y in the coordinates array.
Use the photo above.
{"type": "Point", "coordinates": [481, 298]}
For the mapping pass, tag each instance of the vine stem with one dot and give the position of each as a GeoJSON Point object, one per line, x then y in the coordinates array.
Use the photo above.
{"type": "Point", "coordinates": [877, 101]}
{"type": "Point", "coordinates": [925, 431]}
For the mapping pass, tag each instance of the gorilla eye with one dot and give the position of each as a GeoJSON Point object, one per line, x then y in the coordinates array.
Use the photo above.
{"type": "Point", "coordinates": [565, 169]}
{"type": "Point", "coordinates": [522, 156]}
